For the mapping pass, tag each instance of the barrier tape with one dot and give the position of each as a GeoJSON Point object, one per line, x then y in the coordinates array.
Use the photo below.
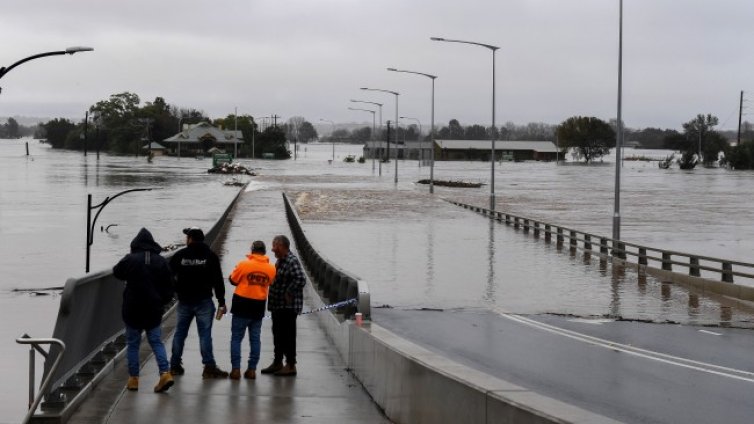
{"type": "Point", "coordinates": [332, 306]}
{"type": "Point", "coordinates": [335, 305]}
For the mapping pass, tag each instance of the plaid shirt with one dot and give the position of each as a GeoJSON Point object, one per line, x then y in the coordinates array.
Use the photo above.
{"type": "Point", "coordinates": [289, 279]}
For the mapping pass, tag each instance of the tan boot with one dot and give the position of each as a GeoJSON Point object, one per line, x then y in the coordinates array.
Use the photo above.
{"type": "Point", "coordinates": [250, 374]}
{"type": "Point", "coordinates": [235, 374]}
{"type": "Point", "coordinates": [165, 382]}
{"type": "Point", "coordinates": [133, 383]}
{"type": "Point", "coordinates": [273, 368]}
{"type": "Point", "coordinates": [289, 370]}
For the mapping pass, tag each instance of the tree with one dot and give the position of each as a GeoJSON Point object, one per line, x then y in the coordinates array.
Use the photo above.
{"type": "Point", "coordinates": [700, 134]}
{"type": "Point", "coordinates": [590, 136]}
{"type": "Point", "coordinates": [475, 132]}
{"type": "Point", "coordinates": [11, 129]}
{"type": "Point", "coordinates": [56, 131]}
{"type": "Point", "coordinates": [118, 118]}
{"type": "Point", "coordinates": [272, 140]}
{"type": "Point", "coordinates": [307, 132]}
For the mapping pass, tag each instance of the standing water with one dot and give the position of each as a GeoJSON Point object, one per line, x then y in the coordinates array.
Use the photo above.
{"type": "Point", "coordinates": [414, 249]}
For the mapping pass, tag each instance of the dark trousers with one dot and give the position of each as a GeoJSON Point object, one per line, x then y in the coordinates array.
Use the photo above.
{"type": "Point", "coordinates": [284, 335]}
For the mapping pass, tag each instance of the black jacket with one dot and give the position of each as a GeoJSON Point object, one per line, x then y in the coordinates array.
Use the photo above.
{"type": "Point", "coordinates": [148, 282]}
{"type": "Point", "coordinates": [197, 272]}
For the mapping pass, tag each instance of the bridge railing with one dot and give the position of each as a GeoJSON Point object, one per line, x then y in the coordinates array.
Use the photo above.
{"type": "Point", "coordinates": [333, 282]}
{"type": "Point", "coordinates": [694, 266]}
{"type": "Point", "coordinates": [89, 324]}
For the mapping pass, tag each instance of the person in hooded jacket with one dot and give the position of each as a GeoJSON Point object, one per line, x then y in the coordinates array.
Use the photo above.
{"type": "Point", "coordinates": [197, 273]}
{"type": "Point", "coordinates": [148, 289]}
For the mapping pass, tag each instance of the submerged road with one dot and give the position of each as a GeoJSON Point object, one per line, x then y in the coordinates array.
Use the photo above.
{"type": "Point", "coordinates": [629, 371]}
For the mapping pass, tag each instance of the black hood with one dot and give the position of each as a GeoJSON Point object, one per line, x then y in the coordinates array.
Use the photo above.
{"type": "Point", "coordinates": [144, 242]}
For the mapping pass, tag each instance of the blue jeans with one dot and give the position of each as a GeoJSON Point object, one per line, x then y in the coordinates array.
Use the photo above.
{"type": "Point", "coordinates": [204, 311]}
{"type": "Point", "coordinates": [133, 339]}
{"type": "Point", "coordinates": [237, 331]}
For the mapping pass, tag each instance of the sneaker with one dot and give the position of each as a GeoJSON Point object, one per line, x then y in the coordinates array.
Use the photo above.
{"type": "Point", "coordinates": [133, 383]}
{"type": "Point", "coordinates": [273, 368]}
{"type": "Point", "coordinates": [177, 370]}
{"type": "Point", "coordinates": [211, 371]}
{"type": "Point", "coordinates": [287, 371]}
{"type": "Point", "coordinates": [165, 382]}
{"type": "Point", "coordinates": [250, 375]}
{"type": "Point", "coordinates": [235, 374]}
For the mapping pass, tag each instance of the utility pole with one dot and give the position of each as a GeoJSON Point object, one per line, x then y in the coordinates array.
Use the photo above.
{"type": "Point", "coordinates": [388, 141]}
{"type": "Point", "coordinates": [740, 112]}
{"type": "Point", "coordinates": [275, 120]}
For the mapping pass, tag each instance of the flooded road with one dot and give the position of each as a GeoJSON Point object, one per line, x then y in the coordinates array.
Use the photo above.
{"type": "Point", "coordinates": [415, 250]}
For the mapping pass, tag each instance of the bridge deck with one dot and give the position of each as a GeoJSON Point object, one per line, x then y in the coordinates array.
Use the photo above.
{"type": "Point", "coordinates": [323, 391]}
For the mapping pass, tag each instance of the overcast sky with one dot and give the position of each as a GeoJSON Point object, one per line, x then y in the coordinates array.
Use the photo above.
{"type": "Point", "coordinates": [557, 58]}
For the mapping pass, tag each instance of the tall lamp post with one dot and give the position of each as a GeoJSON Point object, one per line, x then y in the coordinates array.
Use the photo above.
{"type": "Point", "coordinates": [372, 112]}
{"type": "Point", "coordinates": [69, 50]}
{"type": "Point", "coordinates": [331, 136]}
{"type": "Point", "coordinates": [619, 141]}
{"type": "Point", "coordinates": [421, 144]}
{"type": "Point", "coordinates": [90, 223]}
{"type": "Point", "coordinates": [494, 130]}
{"type": "Point", "coordinates": [432, 130]}
{"type": "Point", "coordinates": [396, 94]}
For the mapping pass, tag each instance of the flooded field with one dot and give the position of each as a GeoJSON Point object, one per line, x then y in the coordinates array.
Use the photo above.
{"type": "Point", "coordinates": [415, 250]}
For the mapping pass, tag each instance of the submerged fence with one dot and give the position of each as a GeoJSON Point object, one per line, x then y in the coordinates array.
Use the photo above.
{"type": "Point", "coordinates": [708, 273]}
{"type": "Point", "coordinates": [90, 326]}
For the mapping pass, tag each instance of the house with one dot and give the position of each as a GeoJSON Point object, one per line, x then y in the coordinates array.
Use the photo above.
{"type": "Point", "coordinates": [504, 150]}
{"type": "Point", "coordinates": [200, 138]}
{"type": "Point", "coordinates": [407, 150]}
{"type": "Point", "coordinates": [156, 148]}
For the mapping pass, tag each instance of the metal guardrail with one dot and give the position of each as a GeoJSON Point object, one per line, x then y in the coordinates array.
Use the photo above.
{"type": "Point", "coordinates": [89, 323]}
{"type": "Point", "coordinates": [35, 400]}
{"type": "Point", "coordinates": [333, 282]}
{"type": "Point", "coordinates": [643, 255]}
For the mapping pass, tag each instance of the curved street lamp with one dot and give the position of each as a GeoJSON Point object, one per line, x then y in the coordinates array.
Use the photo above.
{"type": "Point", "coordinates": [432, 131]}
{"type": "Point", "coordinates": [396, 94]}
{"type": "Point", "coordinates": [494, 130]}
{"type": "Point", "coordinates": [69, 50]}
{"type": "Point", "coordinates": [372, 137]}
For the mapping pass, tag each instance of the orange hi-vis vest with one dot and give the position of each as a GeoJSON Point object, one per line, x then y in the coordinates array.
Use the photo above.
{"type": "Point", "coordinates": [252, 276]}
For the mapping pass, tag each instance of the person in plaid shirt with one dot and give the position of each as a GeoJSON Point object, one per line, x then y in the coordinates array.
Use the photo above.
{"type": "Point", "coordinates": [285, 301]}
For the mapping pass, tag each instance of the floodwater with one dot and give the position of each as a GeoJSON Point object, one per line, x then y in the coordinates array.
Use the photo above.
{"type": "Point", "coordinates": [415, 250]}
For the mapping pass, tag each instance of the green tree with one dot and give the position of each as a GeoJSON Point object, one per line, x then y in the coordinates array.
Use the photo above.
{"type": "Point", "coordinates": [118, 117]}
{"type": "Point", "coordinates": [307, 132]}
{"type": "Point", "coordinates": [700, 134]}
{"type": "Point", "coordinates": [272, 140]}
{"type": "Point", "coordinates": [590, 136]}
{"type": "Point", "coordinates": [475, 132]}
{"type": "Point", "coordinates": [11, 129]}
{"type": "Point", "coordinates": [56, 131]}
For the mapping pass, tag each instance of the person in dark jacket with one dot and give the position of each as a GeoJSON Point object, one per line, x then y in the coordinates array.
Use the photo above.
{"type": "Point", "coordinates": [196, 269]}
{"type": "Point", "coordinates": [148, 289]}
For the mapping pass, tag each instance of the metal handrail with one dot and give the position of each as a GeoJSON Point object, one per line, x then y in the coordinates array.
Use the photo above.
{"type": "Point", "coordinates": [35, 400]}
{"type": "Point", "coordinates": [619, 248]}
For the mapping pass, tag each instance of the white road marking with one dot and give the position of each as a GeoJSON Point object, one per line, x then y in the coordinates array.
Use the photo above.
{"type": "Point", "coordinates": [635, 351]}
{"type": "Point", "coordinates": [710, 332]}
{"type": "Point", "coordinates": [599, 321]}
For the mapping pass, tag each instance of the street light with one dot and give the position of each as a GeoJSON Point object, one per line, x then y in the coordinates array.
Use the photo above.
{"type": "Point", "coordinates": [331, 136]}
{"type": "Point", "coordinates": [372, 112]}
{"type": "Point", "coordinates": [90, 223]}
{"type": "Point", "coordinates": [69, 50]}
{"type": "Point", "coordinates": [421, 152]}
{"type": "Point", "coordinates": [619, 141]}
{"type": "Point", "coordinates": [432, 130]}
{"type": "Point", "coordinates": [396, 94]}
{"type": "Point", "coordinates": [494, 129]}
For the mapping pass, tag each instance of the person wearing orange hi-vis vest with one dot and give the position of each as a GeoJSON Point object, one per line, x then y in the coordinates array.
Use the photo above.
{"type": "Point", "coordinates": [252, 278]}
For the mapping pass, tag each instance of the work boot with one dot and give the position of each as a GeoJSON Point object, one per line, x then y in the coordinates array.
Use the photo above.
{"type": "Point", "coordinates": [250, 374]}
{"type": "Point", "coordinates": [133, 383]}
{"type": "Point", "coordinates": [273, 368]}
{"type": "Point", "coordinates": [165, 382]}
{"type": "Point", "coordinates": [289, 370]}
{"type": "Point", "coordinates": [235, 374]}
{"type": "Point", "coordinates": [211, 371]}
{"type": "Point", "coordinates": [177, 370]}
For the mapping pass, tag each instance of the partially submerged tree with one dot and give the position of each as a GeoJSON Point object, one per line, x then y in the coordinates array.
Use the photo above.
{"type": "Point", "coordinates": [590, 136]}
